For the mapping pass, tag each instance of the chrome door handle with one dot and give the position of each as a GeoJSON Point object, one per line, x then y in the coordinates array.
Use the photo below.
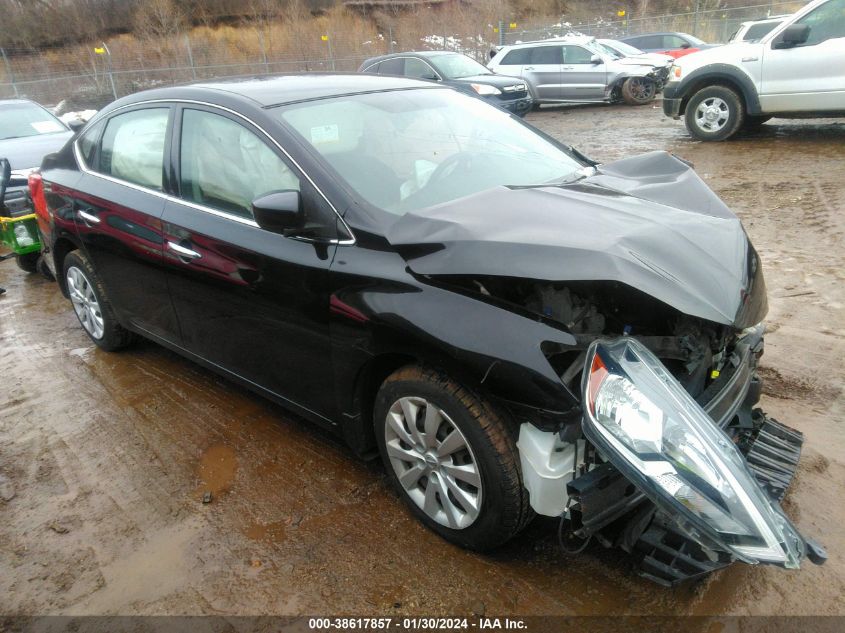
{"type": "Point", "coordinates": [181, 251]}
{"type": "Point", "coordinates": [90, 218]}
{"type": "Point", "coordinates": [528, 68]}
{"type": "Point", "coordinates": [569, 68]}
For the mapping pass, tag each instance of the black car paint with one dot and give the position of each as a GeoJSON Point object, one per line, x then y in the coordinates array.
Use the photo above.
{"type": "Point", "coordinates": [518, 103]}
{"type": "Point", "coordinates": [350, 311]}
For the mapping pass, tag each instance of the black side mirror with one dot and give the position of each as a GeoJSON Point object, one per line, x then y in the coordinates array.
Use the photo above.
{"type": "Point", "coordinates": [595, 59]}
{"type": "Point", "coordinates": [792, 35]}
{"type": "Point", "coordinates": [431, 77]}
{"type": "Point", "coordinates": [279, 212]}
{"type": "Point", "coordinates": [76, 124]}
{"type": "Point", "coordinates": [686, 45]}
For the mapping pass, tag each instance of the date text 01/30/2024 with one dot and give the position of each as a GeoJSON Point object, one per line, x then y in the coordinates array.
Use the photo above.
{"type": "Point", "coordinates": [415, 623]}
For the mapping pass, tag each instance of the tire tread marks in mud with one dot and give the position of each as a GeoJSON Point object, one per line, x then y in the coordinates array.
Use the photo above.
{"type": "Point", "coordinates": [500, 457]}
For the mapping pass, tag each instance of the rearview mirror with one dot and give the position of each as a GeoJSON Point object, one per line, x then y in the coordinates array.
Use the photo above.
{"type": "Point", "coordinates": [279, 212]}
{"type": "Point", "coordinates": [792, 35]}
{"type": "Point", "coordinates": [595, 59]}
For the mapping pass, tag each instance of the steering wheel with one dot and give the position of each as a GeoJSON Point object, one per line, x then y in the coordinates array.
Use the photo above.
{"type": "Point", "coordinates": [450, 165]}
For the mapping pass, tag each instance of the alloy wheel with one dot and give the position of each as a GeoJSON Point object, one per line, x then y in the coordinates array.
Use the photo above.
{"type": "Point", "coordinates": [433, 462]}
{"type": "Point", "coordinates": [642, 89]}
{"type": "Point", "coordinates": [712, 114]}
{"type": "Point", "coordinates": [85, 302]}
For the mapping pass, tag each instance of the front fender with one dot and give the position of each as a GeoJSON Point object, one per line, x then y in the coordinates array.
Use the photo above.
{"type": "Point", "coordinates": [715, 74]}
{"type": "Point", "coordinates": [480, 344]}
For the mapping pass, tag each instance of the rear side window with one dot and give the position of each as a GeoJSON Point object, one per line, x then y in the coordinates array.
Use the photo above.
{"type": "Point", "coordinates": [132, 148]}
{"type": "Point", "coordinates": [225, 166]}
{"type": "Point", "coordinates": [372, 68]}
{"type": "Point", "coordinates": [395, 66]}
{"type": "Point", "coordinates": [576, 55]}
{"type": "Point", "coordinates": [673, 41]}
{"type": "Point", "coordinates": [516, 57]}
{"type": "Point", "coordinates": [547, 55]}
{"type": "Point", "coordinates": [756, 31]}
{"type": "Point", "coordinates": [88, 144]}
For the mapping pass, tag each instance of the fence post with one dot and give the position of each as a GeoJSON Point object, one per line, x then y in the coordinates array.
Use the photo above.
{"type": "Point", "coordinates": [695, 28]}
{"type": "Point", "coordinates": [190, 56]}
{"type": "Point", "coordinates": [501, 32]}
{"type": "Point", "coordinates": [390, 38]}
{"type": "Point", "coordinates": [108, 70]}
{"type": "Point", "coordinates": [9, 72]}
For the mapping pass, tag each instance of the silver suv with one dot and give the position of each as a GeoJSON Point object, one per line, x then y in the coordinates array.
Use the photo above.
{"type": "Point", "coordinates": [575, 69]}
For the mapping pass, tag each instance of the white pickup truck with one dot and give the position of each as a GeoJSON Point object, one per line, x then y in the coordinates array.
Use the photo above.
{"type": "Point", "coordinates": [795, 71]}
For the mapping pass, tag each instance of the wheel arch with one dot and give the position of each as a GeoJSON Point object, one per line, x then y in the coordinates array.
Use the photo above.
{"type": "Point", "coordinates": [721, 75]}
{"type": "Point", "coordinates": [61, 247]}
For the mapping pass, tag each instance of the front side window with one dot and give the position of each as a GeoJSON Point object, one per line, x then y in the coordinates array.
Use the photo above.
{"type": "Point", "coordinates": [649, 41]}
{"type": "Point", "coordinates": [132, 148]}
{"type": "Point", "coordinates": [418, 69]}
{"type": "Point", "coordinates": [457, 66]}
{"type": "Point", "coordinates": [406, 150]}
{"type": "Point", "coordinates": [547, 55]}
{"type": "Point", "coordinates": [826, 22]}
{"type": "Point", "coordinates": [225, 166]}
{"type": "Point", "coordinates": [673, 41]}
{"type": "Point", "coordinates": [576, 55]}
{"type": "Point", "coordinates": [756, 31]}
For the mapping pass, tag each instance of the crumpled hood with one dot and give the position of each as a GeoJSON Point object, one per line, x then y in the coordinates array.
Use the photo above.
{"type": "Point", "coordinates": [649, 222]}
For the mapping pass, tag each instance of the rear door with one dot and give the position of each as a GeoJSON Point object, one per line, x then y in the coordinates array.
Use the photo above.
{"type": "Point", "coordinates": [811, 76]}
{"type": "Point", "coordinates": [117, 207]}
{"type": "Point", "coordinates": [249, 301]}
{"type": "Point", "coordinates": [543, 71]}
{"type": "Point", "coordinates": [582, 80]}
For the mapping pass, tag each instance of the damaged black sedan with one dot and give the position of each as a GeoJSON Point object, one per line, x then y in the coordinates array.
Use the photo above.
{"type": "Point", "coordinates": [513, 327]}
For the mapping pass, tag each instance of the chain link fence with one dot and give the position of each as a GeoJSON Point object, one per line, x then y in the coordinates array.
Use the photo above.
{"type": "Point", "coordinates": [91, 76]}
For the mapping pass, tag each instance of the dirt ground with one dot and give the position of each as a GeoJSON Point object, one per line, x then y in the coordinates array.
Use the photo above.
{"type": "Point", "coordinates": [104, 458]}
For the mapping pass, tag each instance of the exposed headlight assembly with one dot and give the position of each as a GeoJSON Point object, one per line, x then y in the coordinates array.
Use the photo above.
{"type": "Point", "coordinates": [649, 427]}
{"type": "Point", "coordinates": [485, 91]}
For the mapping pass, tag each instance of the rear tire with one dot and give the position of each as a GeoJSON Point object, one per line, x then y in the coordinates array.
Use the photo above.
{"type": "Point", "coordinates": [714, 113]}
{"type": "Point", "coordinates": [637, 91]}
{"type": "Point", "coordinates": [91, 304]}
{"type": "Point", "coordinates": [28, 262]}
{"type": "Point", "coordinates": [460, 475]}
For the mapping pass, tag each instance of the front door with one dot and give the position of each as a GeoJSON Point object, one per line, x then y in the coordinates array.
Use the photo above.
{"type": "Point", "coordinates": [582, 80]}
{"type": "Point", "coordinates": [810, 76]}
{"type": "Point", "coordinates": [252, 302]}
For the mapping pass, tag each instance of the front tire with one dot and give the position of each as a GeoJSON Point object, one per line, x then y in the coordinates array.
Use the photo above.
{"type": "Point", "coordinates": [638, 91]}
{"type": "Point", "coordinates": [451, 457]}
{"type": "Point", "coordinates": [91, 304]}
{"type": "Point", "coordinates": [714, 113]}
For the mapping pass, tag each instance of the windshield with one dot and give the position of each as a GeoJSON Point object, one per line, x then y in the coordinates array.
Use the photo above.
{"type": "Point", "coordinates": [406, 150]}
{"type": "Point", "coordinates": [757, 31]}
{"type": "Point", "coordinates": [692, 39]}
{"type": "Point", "coordinates": [626, 49]}
{"type": "Point", "coordinates": [27, 119]}
{"type": "Point", "coordinates": [609, 51]}
{"type": "Point", "coordinates": [457, 66]}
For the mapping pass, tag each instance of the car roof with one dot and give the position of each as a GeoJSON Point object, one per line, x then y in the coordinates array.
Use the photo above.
{"type": "Point", "coordinates": [561, 39]}
{"type": "Point", "coordinates": [282, 89]}
{"type": "Point", "coordinates": [14, 101]}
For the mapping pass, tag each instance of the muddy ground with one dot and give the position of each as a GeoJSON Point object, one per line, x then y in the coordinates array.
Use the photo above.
{"type": "Point", "coordinates": [104, 458]}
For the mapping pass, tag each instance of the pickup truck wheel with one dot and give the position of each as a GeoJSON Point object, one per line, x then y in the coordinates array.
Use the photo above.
{"type": "Point", "coordinates": [451, 457]}
{"type": "Point", "coordinates": [638, 91]}
{"type": "Point", "coordinates": [714, 113]}
{"type": "Point", "coordinates": [91, 304]}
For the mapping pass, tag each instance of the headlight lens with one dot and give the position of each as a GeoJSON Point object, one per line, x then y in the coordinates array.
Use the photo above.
{"type": "Point", "coordinates": [485, 91]}
{"type": "Point", "coordinates": [660, 438]}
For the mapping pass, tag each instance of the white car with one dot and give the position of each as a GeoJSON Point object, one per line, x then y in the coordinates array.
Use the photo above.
{"type": "Point", "coordinates": [796, 71]}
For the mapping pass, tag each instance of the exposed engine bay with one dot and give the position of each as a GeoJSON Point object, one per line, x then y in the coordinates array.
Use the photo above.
{"type": "Point", "coordinates": [570, 477]}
